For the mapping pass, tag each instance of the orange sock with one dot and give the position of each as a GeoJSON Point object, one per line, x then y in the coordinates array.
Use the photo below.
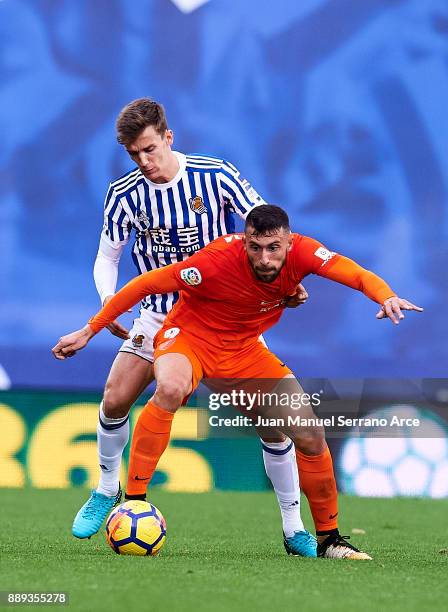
{"type": "Point", "coordinates": [149, 440]}
{"type": "Point", "coordinates": [317, 481]}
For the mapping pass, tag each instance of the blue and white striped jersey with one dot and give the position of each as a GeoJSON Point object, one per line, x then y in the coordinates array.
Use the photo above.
{"type": "Point", "coordinates": [171, 221]}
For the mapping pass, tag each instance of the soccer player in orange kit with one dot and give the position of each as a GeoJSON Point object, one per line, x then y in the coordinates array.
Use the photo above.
{"type": "Point", "coordinates": [232, 291]}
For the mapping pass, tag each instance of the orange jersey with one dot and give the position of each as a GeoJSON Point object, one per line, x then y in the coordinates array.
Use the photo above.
{"type": "Point", "coordinates": [220, 294]}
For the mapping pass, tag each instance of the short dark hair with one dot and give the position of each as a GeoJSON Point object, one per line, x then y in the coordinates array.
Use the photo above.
{"type": "Point", "coordinates": [267, 219]}
{"type": "Point", "coordinates": [138, 115]}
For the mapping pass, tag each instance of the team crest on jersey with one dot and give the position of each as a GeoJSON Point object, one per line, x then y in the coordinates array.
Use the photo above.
{"type": "Point", "coordinates": [191, 276]}
{"type": "Point", "coordinates": [137, 340]}
{"type": "Point", "coordinates": [197, 205]}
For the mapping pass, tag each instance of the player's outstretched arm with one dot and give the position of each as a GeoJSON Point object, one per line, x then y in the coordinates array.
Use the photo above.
{"type": "Point", "coordinates": [348, 272]}
{"type": "Point", "coordinates": [162, 280]}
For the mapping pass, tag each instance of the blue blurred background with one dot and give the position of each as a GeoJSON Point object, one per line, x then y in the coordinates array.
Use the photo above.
{"type": "Point", "coordinates": [334, 109]}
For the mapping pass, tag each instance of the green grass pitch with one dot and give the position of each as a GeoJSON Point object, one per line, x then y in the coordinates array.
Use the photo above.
{"type": "Point", "coordinates": [224, 552]}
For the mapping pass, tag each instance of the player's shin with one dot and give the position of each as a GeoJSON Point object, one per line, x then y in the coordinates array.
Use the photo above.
{"type": "Point", "coordinates": [281, 468]}
{"type": "Point", "coordinates": [318, 483]}
{"type": "Point", "coordinates": [149, 440]}
{"type": "Point", "coordinates": [113, 435]}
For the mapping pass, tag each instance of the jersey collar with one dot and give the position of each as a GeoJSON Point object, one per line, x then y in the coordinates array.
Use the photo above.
{"type": "Point", "coordinates": [181, 158]}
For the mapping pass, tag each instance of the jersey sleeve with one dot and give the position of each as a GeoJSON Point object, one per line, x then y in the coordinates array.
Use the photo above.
{"type": "Point", "coordinates": [117, 225]}
{"type": "Point", "coordinates": [161, 280]}
{"type": "Point", "coordinates": [312, 257]}
{"type": "Point", "coordinates": [105, 269]}
{"type": "Point", "coordinates": [237, 192]}
{"type": "Point", "coordinates": [348, 272]}
{"type": "Point", "coordinates": [185, 275]}
{"type": "Point", "coordinates": [309, 256]}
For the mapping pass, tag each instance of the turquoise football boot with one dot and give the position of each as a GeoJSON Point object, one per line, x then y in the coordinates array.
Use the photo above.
{"type": "Point", "coordinates": [301, 544]}
{"type": "Point", "coordinates": [91, 516]}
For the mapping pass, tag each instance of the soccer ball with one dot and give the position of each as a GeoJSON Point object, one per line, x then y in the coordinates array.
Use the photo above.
{"type": "Point", "coordinates": [136, 528]}
{"type": "Point", "coordinates": [402, 465]}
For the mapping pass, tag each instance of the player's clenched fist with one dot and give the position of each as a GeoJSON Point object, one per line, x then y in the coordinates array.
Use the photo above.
{"type": "Point", "coordinates": [71, 343]}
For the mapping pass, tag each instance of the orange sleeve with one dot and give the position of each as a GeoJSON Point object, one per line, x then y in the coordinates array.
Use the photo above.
{"type": "Point", "coordinates": [162, 280]}
{"type": "Point", "coordinates": [348, 272]}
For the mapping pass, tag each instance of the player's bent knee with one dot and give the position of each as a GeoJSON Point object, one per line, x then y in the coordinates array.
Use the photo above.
{"type": "Point", "coordinates": [171, 392]}
{"type": "Point", "coordinates": [115, 405]}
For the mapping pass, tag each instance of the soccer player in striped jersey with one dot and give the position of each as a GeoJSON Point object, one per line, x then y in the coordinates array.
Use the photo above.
{"type": "Point", "coordinates": [175, 204]}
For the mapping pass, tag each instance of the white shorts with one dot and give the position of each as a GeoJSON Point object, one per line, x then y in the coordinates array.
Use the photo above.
{"type": "Point", "coordinates": [141, 336]}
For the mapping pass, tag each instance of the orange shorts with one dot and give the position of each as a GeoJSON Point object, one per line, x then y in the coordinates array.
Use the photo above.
{"type": "Point", "coordinates": [212, 358]}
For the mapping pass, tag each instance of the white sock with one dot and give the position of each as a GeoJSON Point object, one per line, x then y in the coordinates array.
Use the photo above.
{"type": "Point", "coordinates": [281, 467]}
{"type": "Point", "coordinates": [112, 435]}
